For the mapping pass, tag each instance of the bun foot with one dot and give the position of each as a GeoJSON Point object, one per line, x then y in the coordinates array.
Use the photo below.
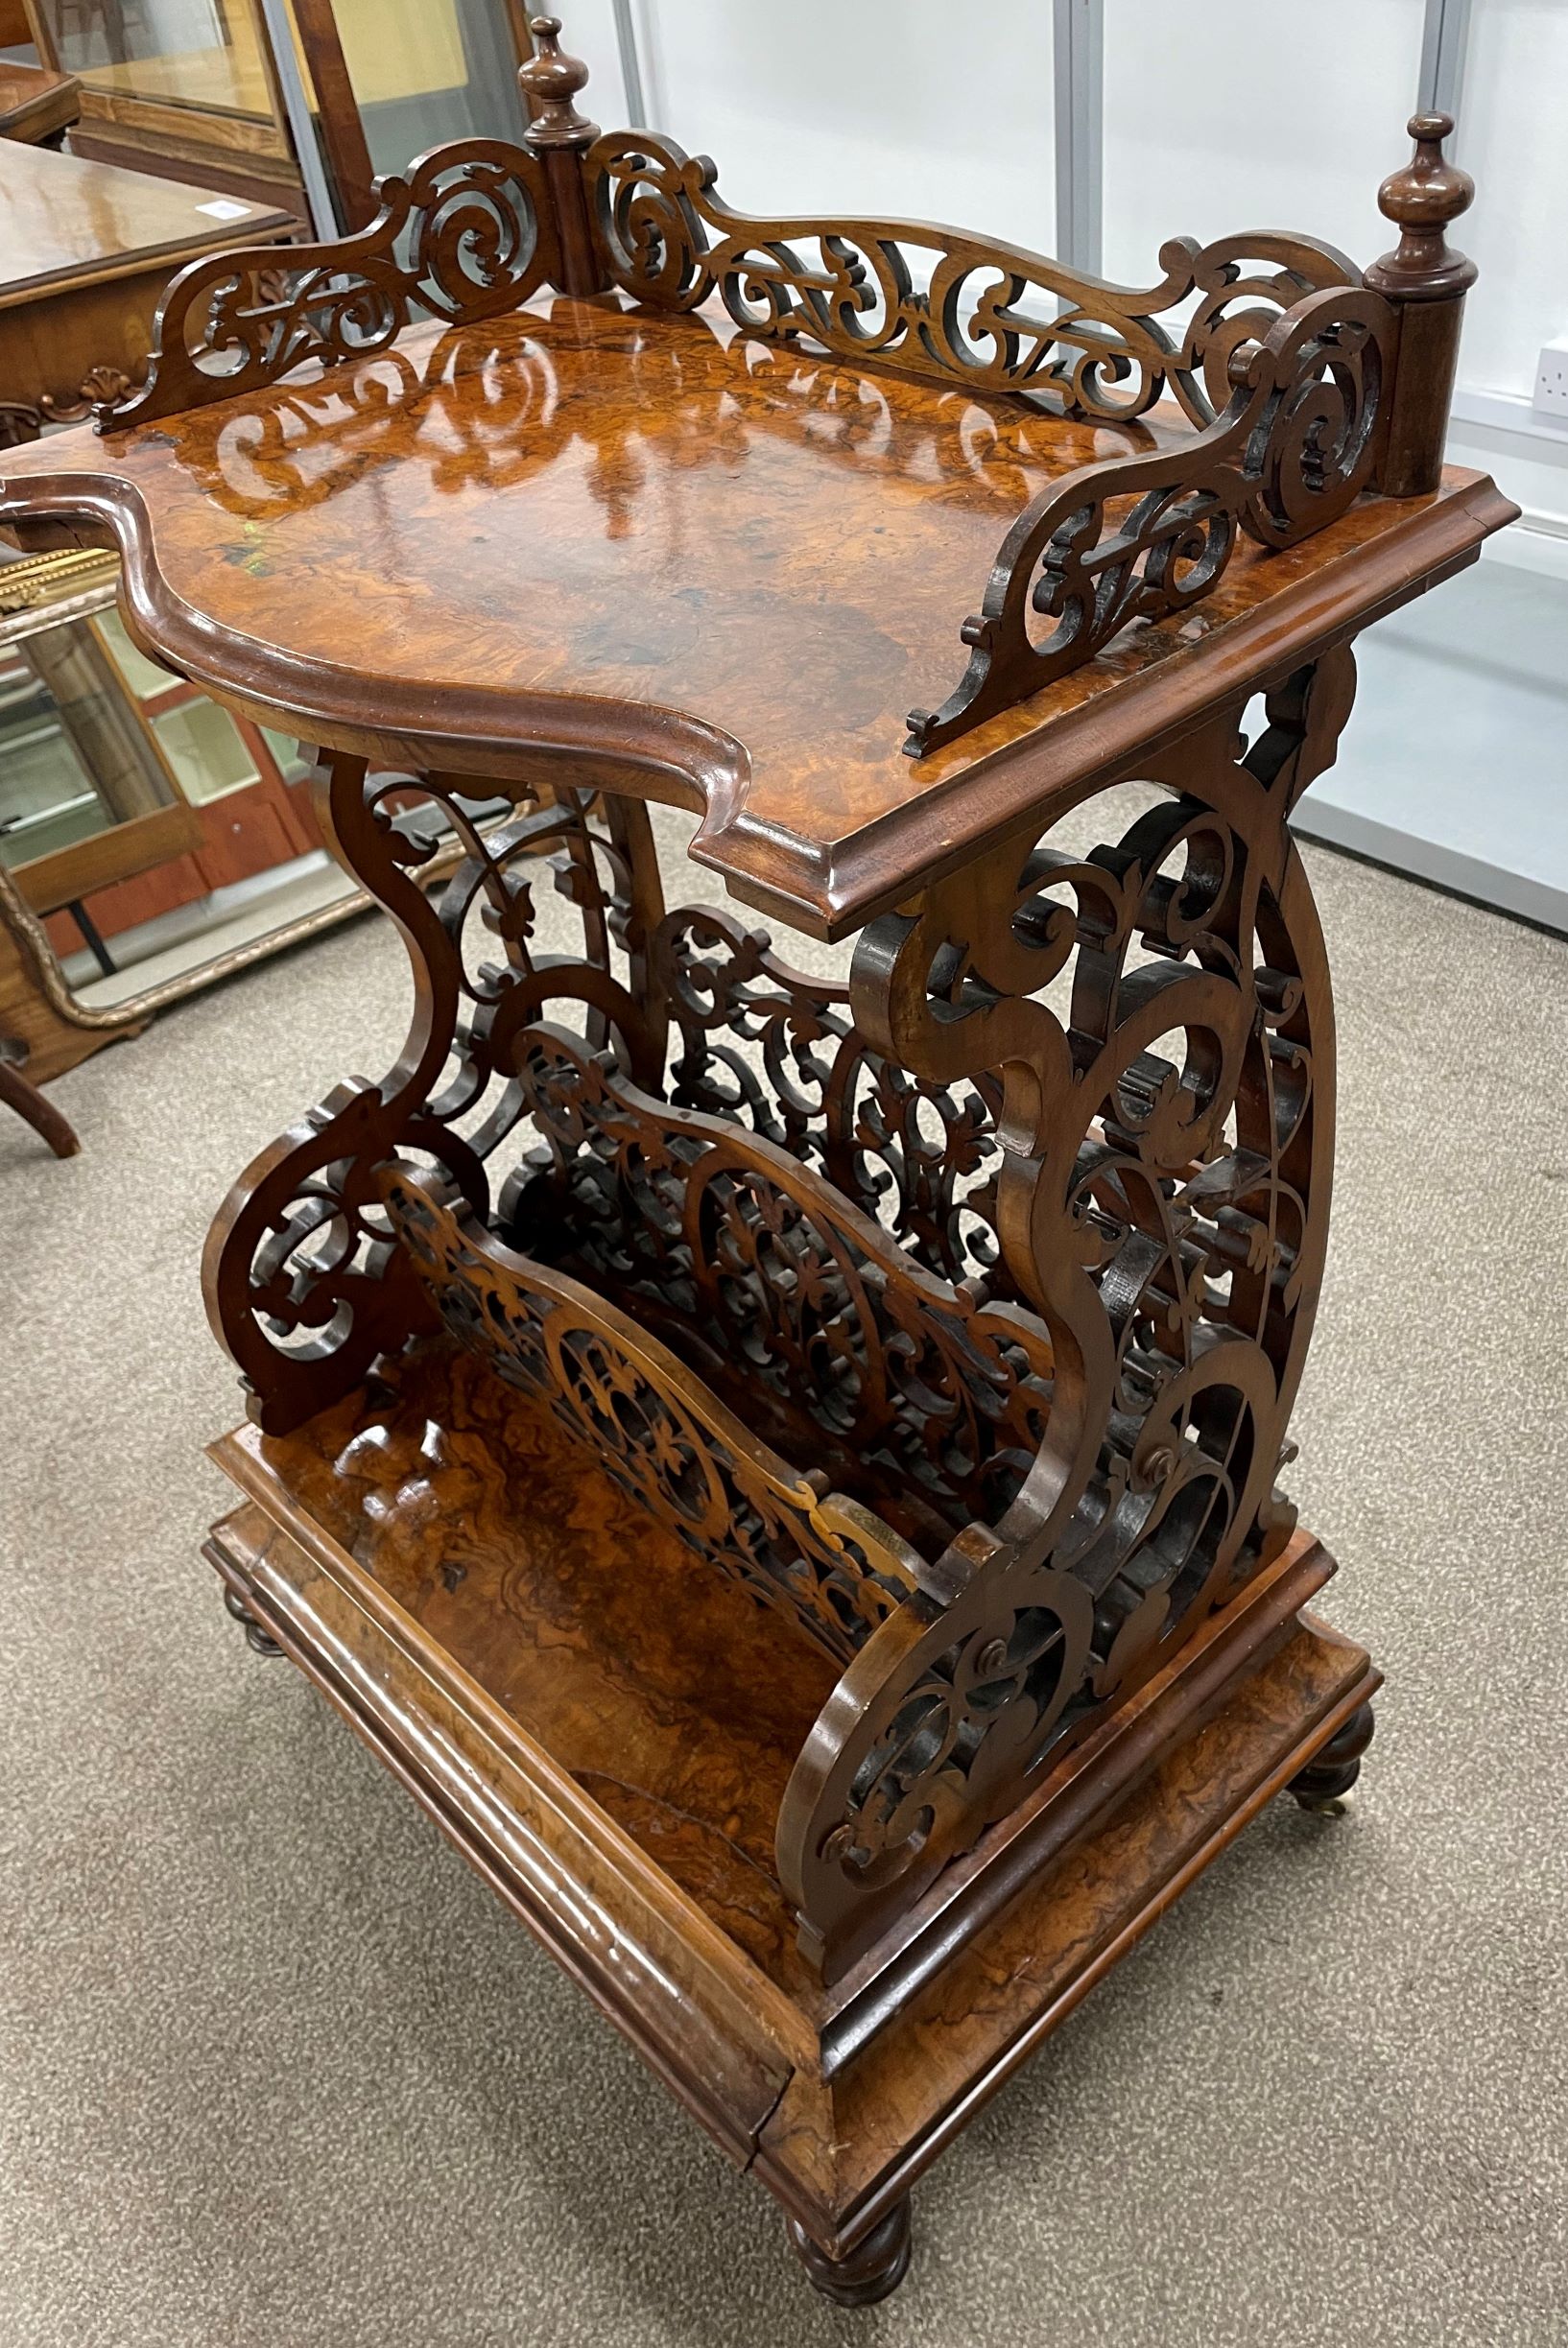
{"type": "Point", "coordinates": [254, 1636]}
{"type": "Point", "coordinates": [1324, 1784]}
{"type": "Point", "coordinates": [874, 2267]}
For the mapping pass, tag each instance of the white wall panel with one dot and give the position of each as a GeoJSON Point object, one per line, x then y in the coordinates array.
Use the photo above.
{"type": "Point", "coordinates": [880, 106]}
{"type": "Point", "coordinates": [589, 32]}
{"type": "Point", "coordinates": [1515, 142]}
{"type": "Point", "coordinates": [1226, 115]}
{"type": "Point", "coordinates": [1220, 115]}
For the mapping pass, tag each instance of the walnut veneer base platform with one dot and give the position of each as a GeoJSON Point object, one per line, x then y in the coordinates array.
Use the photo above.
{"type": "Point", "coordinates": [604, 1727]}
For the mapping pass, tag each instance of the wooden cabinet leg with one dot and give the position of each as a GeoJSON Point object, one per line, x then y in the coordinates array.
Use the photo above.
{"type": "Point", "coordinates": [871, 2271]}
{"type": "Point", "coordinates": [254, 1635]}
{"type": "Point", "coordinates": [1331, 1772]}
{"type": "Point", "coordinates": [40, 1114]}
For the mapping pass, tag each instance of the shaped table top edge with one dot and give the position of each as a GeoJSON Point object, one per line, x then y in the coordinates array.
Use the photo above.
{"type": "Point", "coordinates": [1021, 767]}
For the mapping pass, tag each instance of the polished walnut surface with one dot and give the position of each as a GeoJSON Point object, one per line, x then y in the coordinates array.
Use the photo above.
{"type": "Point", "coordinates": [667, 1692]}
{"type": "Point", "coordinates": [674, 1701]}
{"type": "Point", "coordinates": [62, 218]}
{"type": "Point", "coordinates": [724, 572]}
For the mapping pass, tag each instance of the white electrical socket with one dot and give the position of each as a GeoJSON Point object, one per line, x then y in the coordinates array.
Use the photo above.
{"type": "Point", "coordinates": [1550, 394]}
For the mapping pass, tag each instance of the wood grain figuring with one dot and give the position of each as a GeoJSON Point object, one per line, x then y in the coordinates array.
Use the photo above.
{"type": "Point", "coordinates": [709, 2024]}
{"type": "Point", "coordinates": [664, 1690]}
{"type": "Point", "coordinates": [1285, 361]}
{"type": "Point", "coordinates": [645, 544]}
{"type": "Point", "coordinates": [740, 2038]}
{"type": "Point", "coordinates": [852, 2148]}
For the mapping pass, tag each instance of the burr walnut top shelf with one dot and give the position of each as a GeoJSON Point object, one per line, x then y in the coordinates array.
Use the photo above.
{"type": "Point", "coordinates": [717, 572]}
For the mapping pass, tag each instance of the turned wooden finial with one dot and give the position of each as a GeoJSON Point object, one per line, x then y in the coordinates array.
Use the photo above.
{"type": "Point", "coordinates": [550, 83]}
{"type": "Point", "coordinates": [1421, 200]}
{"type": "Point", "coordinates": [1426, 281]}
{"type": "Point", "coordinates": [561, 137]}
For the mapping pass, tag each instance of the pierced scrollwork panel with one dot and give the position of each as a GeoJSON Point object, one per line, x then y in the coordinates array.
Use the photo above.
{"type": "Point", "coordinates": [1144, 538]}
{"type": "Point", "coordinates": [782, 1293]}
{"type": "Point", "coordinates": [1162, 1205]}
{"type": "Point", "coordinates": [304, 1283]}
{"type": "Point", "coordinates": [1072, 1449]}
{"type": "Point", "coordinates": [955, 1707]}
{"type": "Point", "coordinates": [778, 1052]}
{"type": "Point", "coordinates": [938, 303]}
{"type": "Point", "coordinates": [1285, 365]}
{"type": "Point", "coordinates": [468, 234]}
{"type": "Point", "coordinates": [794, 1544]}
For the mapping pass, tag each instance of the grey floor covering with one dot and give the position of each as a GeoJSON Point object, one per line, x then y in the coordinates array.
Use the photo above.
{"type": "Point", "coordinates": [275, 2071]}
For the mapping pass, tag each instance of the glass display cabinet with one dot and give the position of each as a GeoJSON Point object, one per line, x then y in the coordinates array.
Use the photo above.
{"type": "Point", "coordinates": [151, 840]}
{"type": "Point", "coordinates": [88, 802]}
{"type": "Point", "coordinates": [424, 71]}
{"type": "Point", "coordinates": [185, 88]}
{"type": "Point", "coordinates": [126, 794]}
{"type": "Point", "coordinates": [197, 87]}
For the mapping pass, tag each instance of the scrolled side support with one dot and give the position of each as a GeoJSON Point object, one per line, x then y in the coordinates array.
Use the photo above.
{"type": "Point", "coordinates": [1162, 1205]}
{"type": "Point", "coordinates": [304, 1280]}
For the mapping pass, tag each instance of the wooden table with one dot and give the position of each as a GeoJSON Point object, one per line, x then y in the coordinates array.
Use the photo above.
{"type": "Point", "coordinates": [783, 1471]}
{"type": "Point", "coordinates": [37, 106]}
{"type": "Point", "coordinates": [85, 253]}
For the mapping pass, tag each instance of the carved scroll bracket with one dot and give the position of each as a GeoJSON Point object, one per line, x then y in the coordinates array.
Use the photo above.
{"type": "Point", "coordinates": [469, 233]}
{"type": "Point", "coordinates": [938, 303]}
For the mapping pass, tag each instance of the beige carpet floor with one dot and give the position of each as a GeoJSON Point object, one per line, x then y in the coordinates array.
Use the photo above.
{"type": "Point", "coordinates": [276, 2071]}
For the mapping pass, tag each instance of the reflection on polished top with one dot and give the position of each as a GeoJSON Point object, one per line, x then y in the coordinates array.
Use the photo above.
{"type": "Point", "coordinates": [65, 217]}
{"type": "Point", "coordinates": [724, 570]}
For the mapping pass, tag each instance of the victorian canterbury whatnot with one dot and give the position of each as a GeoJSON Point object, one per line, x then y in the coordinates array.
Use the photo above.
{"type": "Point", "coordinates": [948, 1320]}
